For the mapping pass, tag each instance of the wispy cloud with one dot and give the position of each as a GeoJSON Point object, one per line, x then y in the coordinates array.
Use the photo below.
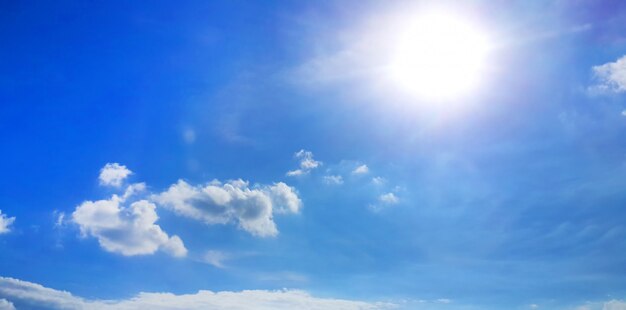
{"type": "Point", "coordinates": [333, 179]}
{"type": "Point", "coordinates": [384, 200]}
{"type": "Point", "coordinates": [215, 258]}
{"type": "Point", "coordinates": [362, 169]}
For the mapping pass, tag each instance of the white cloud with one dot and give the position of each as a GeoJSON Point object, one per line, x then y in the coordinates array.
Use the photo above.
{"type": "Point", "coordinates": [606, 305]}
{"type": "Point", "coordinates": [6, 305]}
{"type": "Point", "coordinates": [127, 230]}
{"type": "Point", "coordinates": [389, 198]}
{"type": "Point", "coordinates": [5, 223]}
{"type": "Point", "coordinates": [378, 181]}
{"type": "Point", "coordinates": [60, 221]}
{"type": "Point", "coordinates": [307, 163]}
{"type": "Point", "coordinates": [33, 295]}
{"type": "Point", "coordinates": [215, 258]}
{"type": "Point", "coordinates": [333, 179]}
{"type": "Point", "coordinates": [113, 174]}
{"type": "Point", "coordinates": [614, 305]}
{"type": "Point", "coordinates": [362, 169]}
{"type": "Point", "coordinates": [251, 208]}
{"type": "Point", "coordinates": [611, 77]}
{"type": "Point", "coordinates": [384, 200]}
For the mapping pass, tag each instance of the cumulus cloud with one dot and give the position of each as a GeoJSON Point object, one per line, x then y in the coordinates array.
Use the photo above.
{"type": "Point", "coordinates": [611, 77]}
{"type": "Point", "coordinates": [333, 179]}
{"type": "Point", "coordinates": [362, 169]}
{"type": "Point", "coordinates": [307, 163]}
{"type": "Point", "coordinates": [113, 174]}
{"type": "Point", "coordinates": [251, 208]}
{"type": "Point", "coordinates": [32, 295]}
{"type": "Point", "coordinates": [5, 223]}
{"type": "Point", "coordinates": [127, 229]}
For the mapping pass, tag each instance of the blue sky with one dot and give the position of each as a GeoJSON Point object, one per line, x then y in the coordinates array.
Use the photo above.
{"type": "Point", "coordinates": [254, 155]}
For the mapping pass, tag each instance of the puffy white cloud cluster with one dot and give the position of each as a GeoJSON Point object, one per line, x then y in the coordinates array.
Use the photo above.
{"type": "Point", "coordinates": [127, 225]}
{"type": "Point", "coordinates": [251, 208]}
{"type": "Point", "coordinates": [307, 163]}
{"type": "Point", "coordinates": [5, 223]}
{"type": "Point", "coordinates": [32, 295]}
{"type": "Point", "coordinates": [611, 77]}
{"type": "Point", "coordinates": [126, 228]}
{"type": "Point", "coordinates": [114, 174]}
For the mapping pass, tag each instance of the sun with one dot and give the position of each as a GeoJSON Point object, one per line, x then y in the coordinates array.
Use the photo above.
{"type": "Point", "coordinates": [438, 56]}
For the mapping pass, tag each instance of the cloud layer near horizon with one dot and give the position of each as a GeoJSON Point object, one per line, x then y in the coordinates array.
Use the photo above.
{"type": "Point", "coordinates": [31, 295]}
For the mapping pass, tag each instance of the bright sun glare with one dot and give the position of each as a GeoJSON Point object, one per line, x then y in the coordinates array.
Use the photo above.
{"type": "Point", "coordinates": [439, 57]}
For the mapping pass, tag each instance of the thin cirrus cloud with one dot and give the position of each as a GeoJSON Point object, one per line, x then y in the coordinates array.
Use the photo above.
{"type": "Point", "coordinates": [252, 208]}
{"type": "Point", "coordinates": [610, 77]}
{"type": "Point", "coordinates": [333, 179]}
{"type": "Point", "coordinates": [113, 174]}
{"type": "Point", "coordinates": [307, 163]}
{"type": "Point", "coordinates": [5, 223]}
{"type": "Point", "coordinates": [215, 258]}
{"type": "Point", "coordinates": [127, 228]}
{"type": "Point", "coordinates": [31, 295]}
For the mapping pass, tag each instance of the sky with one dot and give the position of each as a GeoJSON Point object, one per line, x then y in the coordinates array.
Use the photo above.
{"type": "Point", "coordinates": [337, 155]}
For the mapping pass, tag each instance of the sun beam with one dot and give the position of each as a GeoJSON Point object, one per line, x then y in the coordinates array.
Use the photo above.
{"type": "Point", "coordinates": [438, 56]}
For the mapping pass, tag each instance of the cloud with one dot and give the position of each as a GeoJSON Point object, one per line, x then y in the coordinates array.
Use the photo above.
{"type": "Point", "coordinates": [333, 179]}
{"type": "Point", "coordinates": [610, 77]}
{"type": "Point", "coordinates": [604, 305]}
{"type": "Point", "coordinates": [32, 295]}
{"type": "Point", "coordinates": [362, 169]}
{"type": "Point", "coordinates": [6, 305]}
{"type": "Point", "coordinates": [614, 305]}
{"type": "Point", "coordinates": [378, 181]}
{"type": "Point", "coordinates": [251, 208]}
{"type": "Point", "coordinates": [389, 198]}
{"type": "Point", "coordinates": [127, 230]}
{"type": "Point", "coordinates": [113, 174]}
{"type": "Point", "coordinates": [215, 258]}
{"type": "Point", "coordinates": [307, 163]}
{"type": "Point", "coordinates": [189, 136]}
{"type": "Point", "coordinates": [5, 223]}
{"type": "Point", "coordinates": [384, 200]}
